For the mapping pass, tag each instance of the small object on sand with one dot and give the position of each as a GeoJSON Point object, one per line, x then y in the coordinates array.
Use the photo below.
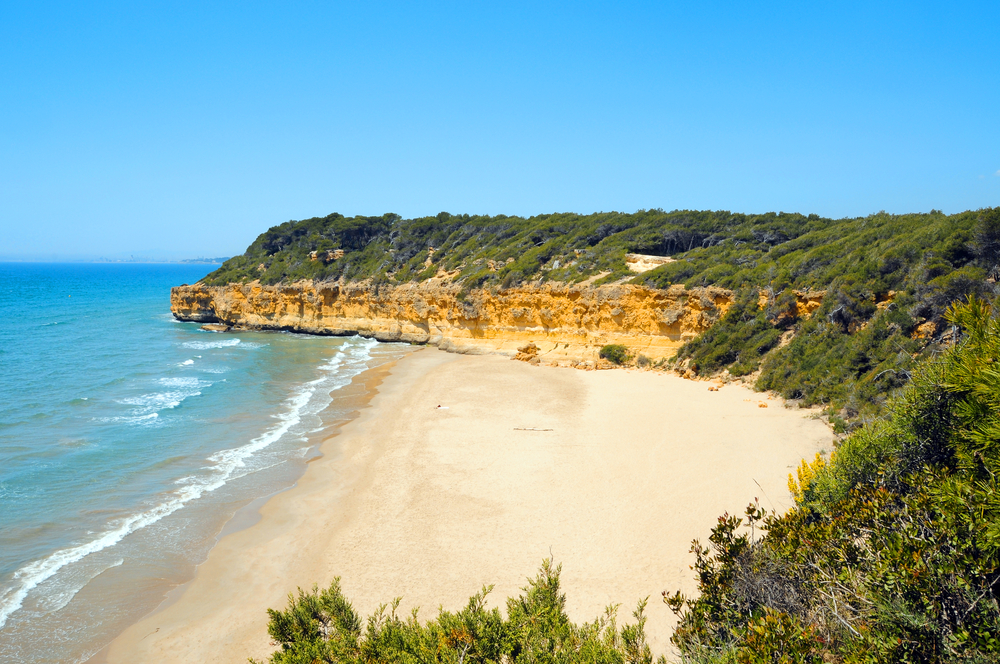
{"type": "Point", "coordinates": [761, 405]}
{"type": "Point", "coordinates": [440, 407]}
{"type": "Point", "coordinates": [713, 389]}
{"type": "Point", "coordinates": [530, 429]}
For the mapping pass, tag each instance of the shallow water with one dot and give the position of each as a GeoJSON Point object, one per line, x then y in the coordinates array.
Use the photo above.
{"type": "Point", "coordinates": [128, 439]}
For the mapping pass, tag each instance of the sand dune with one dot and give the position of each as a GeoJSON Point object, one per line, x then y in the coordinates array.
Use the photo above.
{"type": "Point", "coordinates": [611, 472]}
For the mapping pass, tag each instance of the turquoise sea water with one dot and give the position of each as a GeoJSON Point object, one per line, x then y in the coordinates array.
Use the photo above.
{"type": "Point", "coordinates": [127, 440]}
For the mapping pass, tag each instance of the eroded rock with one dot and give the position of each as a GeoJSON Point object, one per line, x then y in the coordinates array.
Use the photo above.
{"type": "Point", "coordinates": [577, 320]}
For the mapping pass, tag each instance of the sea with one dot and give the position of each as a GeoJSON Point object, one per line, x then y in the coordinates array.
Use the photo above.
{"type": "Point", "coordinates": [129, 440]}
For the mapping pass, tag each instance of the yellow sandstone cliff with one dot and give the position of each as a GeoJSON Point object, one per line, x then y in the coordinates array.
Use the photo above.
{"type": "Point", "coordinates": [566, 322]}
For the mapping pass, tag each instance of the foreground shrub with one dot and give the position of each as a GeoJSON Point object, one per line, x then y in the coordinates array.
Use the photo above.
{"type": "Point", "coordinates": [893, 551]}
{"type": "Point", "coordinates": [322, 626]}
{"type": "Point", "coordinates": [615, 353]}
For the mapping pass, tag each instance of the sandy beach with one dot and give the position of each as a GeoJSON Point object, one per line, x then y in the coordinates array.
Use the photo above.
{"type": "Point", "coordinates": [612, 473]}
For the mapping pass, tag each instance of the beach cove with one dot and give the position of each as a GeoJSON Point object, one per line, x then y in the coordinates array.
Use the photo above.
{"type": "Point", "coordinates": [611, 473]}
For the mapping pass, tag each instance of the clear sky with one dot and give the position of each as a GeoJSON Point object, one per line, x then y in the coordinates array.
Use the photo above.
{"type": "Point", "coordinates": [186, 129]}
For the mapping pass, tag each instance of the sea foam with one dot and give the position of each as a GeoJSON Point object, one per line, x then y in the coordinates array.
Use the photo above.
{"type": "Point", "coordinates": [208, 345]}
{"type": "Point", "coordinates": [146, 407]}
{"type": "Point", "coordinates": [222, 466]}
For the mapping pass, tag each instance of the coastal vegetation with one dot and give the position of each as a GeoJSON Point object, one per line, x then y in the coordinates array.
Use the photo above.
{"type": "Point", "coordinates": [892, 553]}
{"type": "Point", "coordinates": [616, 353]}
{"type": "Point", "coordinates": [882, 283]}
{"type": "Point", "coordinates": [322, 626]}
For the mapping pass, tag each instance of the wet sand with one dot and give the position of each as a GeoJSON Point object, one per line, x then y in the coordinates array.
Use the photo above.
{"type": "Point", "coordinates": [612, 473]}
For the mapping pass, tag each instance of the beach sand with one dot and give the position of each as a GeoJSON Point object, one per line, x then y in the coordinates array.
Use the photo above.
{"type": "Point", "coordinates": [622, 471]}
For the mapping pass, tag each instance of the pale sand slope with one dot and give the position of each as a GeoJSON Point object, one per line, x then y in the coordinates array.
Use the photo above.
{"type": "Point", "coordinates": [432, 504]}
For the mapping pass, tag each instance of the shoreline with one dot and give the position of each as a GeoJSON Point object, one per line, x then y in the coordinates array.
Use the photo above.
{"type": "Point", "coordinates": [359, 392]}
{"type": "Point", "coordinates": [433, 504]}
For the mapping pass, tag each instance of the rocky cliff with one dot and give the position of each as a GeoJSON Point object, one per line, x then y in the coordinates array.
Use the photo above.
{"type": "Point", "coordinates": [567, 322]}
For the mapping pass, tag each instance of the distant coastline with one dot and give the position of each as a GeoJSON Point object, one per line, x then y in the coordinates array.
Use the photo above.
{"type": "Point", "coordinates": [209, 261]}
{"type": "Point", "coordinates": [144, 260]}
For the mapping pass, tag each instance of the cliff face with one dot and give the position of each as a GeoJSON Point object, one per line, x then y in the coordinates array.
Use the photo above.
{"type": "Point", "coordinates": [567, 322]}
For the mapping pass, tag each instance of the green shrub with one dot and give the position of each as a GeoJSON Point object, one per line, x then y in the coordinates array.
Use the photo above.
{"type": "Point", "coordinates": [738, 341]}
{"type": "Point", "coordinates": [321, 626]}
{"type": "Point", "coordinates": [616, 353]}
{"type": "Point", "coordinates": [893, 551]}
{"type": "Point", "coordinates": [849, 369]}
{"type": "Point", "coordinates": [726, 249]}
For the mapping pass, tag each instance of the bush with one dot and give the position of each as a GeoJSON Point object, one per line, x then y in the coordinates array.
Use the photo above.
{"type": "Point", "coordinates": [848, 367]}
{"type": "Point", "coordinates": [893, 551]}
{"type": "Point", "coordinates": [739, 340]}
{"type": "Point", "coordinates": [321, 626]}
{"type": "Point", "coordinates": [726, 249]}
{"type": "Point", "coordinates": [616, 353]}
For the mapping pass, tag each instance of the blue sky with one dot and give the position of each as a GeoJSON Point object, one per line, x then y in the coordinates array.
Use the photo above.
{"type": "Point", "coordinates": [184, 129]}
